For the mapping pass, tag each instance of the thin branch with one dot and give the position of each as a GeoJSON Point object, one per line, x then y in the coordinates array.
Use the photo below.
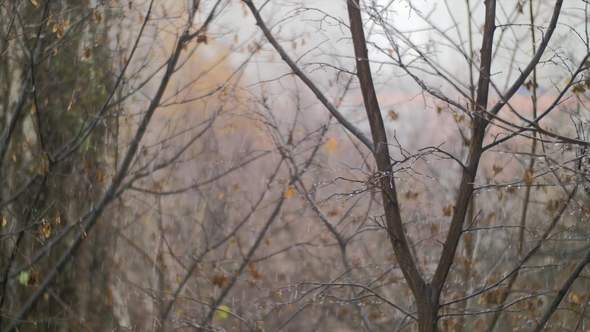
{"type": "Point", "coordinates": [297, 71]}
{"type": "Point", "coordinates": [563, 290]}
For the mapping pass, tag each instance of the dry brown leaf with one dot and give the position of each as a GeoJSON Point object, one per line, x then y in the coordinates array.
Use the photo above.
{"type": "Point", "coordinates": [108, 300]}
{"type": "Point", "coordinates": [86, 54]}
{"type": "Point", "coordinates": [332, 213]}
{"type": "Point", "coordinates": [448, 210]}
{"type": "Point", "coordinates": [497, 169]}
{"type": "Point", "coordinates": [528, 177]}
{"type": "Point", "coordinates": [393, 116]}
{"type": "Point", "coordinates": [44, 229]}
{"type": "Point", "coordinates": [202, 39]}
{"type": "Point", "coordinates": [97, 16]}
{"type": "Point", "coordinates": [410, 195]}
{"type": "Point", "coordinates": [219, 280]}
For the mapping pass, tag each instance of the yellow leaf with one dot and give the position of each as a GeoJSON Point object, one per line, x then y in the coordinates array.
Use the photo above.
{"type": "Point", "coordinates": [108, 300]}
{"type": "Point", "coordinates": [23, 278]}
{"type": "Point", "coordinates": [3, 220]}
{"type": "Point", "coordinates": [84, 235]}
{"type": "Point", "coordinates": [575, 298]}
{"type": "Point", "coordinates": [177, 279]}
{"type": "Point", "coordinates": [222, 312]}
{"type": "Point", "coordinates": [34, 2]}
{"type": "Point", "coordinates": [289, 192]}
{"type": "Point", "coordinates": [331, 144]}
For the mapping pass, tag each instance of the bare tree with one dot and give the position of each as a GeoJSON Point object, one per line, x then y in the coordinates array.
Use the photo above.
{"type": "Point", "coordinates": [78, 110]}
{"type": "Point", "coordinates": [407, 166]}
{"type": "Point", "coordinates": [483, 125]}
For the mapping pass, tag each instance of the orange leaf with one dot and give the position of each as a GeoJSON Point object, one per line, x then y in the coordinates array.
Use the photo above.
{"type": "Point", "coordinates": [331, 144]}
{"type": "Point", "coordinates": [289, 192]}
{"type": "Point", "coordinates": [528, 177]}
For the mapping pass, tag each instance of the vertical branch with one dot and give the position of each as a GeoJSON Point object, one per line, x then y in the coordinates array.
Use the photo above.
{"type": "Point", "coordinates": [426, 296]}
{"type": "Point", "coordinates": [478, 127]}
{"type": "Point", "coordinates": [528, 182]}
{"type": "Point", "coordinates": [389, 193]}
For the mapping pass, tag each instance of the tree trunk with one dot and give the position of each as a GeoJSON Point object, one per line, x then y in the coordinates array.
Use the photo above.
{"type": "Point", "coordinates": [428, 309]}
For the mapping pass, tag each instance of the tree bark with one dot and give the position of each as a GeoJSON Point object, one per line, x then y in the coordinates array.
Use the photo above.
{"type": "Point", "coordinates": [427, 295]}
